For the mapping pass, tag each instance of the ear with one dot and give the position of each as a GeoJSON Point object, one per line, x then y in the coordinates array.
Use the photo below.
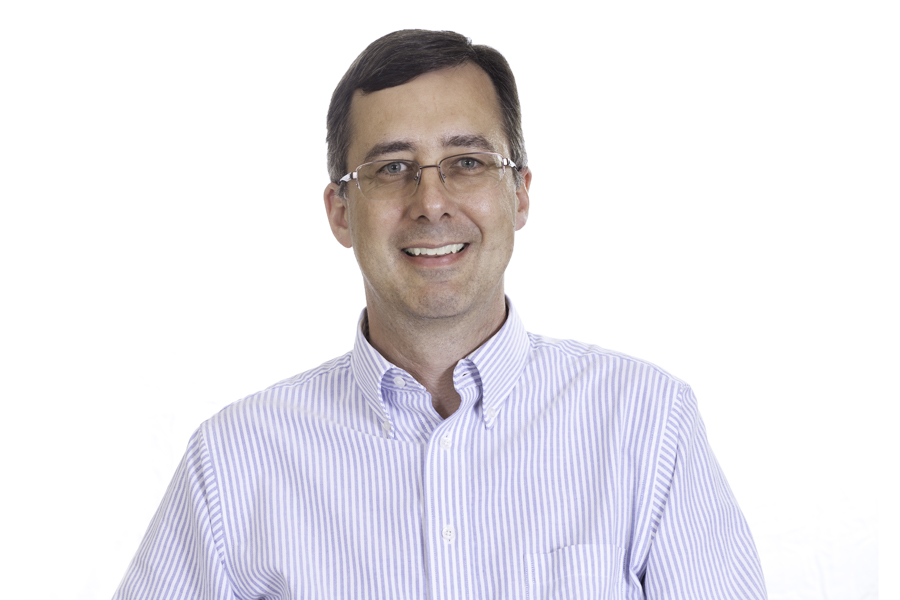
{"type": "Point", "coordinates": [336, 209]}
{"type": "Point", "coordinates": [522, 199]}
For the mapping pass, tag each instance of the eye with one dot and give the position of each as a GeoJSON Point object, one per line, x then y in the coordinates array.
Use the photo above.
{"type": "Point", "coordinates": [468, 163]}
{"type": "Point", "coordinates": [393, 168]}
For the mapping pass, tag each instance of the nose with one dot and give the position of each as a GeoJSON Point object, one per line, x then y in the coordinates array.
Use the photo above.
{"type": "Point", "coordinates": [431, 199]}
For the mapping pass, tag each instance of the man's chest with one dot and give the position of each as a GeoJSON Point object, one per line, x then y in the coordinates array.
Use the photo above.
{"type": "Point", "coordinates": [325, 511]}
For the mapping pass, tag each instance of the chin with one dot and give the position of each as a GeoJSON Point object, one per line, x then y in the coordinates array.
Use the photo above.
{"type": "Point", "coordinates": [450, 304]}
{"type": "Point", "coordinates": [439, 307]}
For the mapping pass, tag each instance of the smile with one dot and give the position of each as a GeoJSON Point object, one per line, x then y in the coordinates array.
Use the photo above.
{"type": "Point", "coordinates": [443, 250]}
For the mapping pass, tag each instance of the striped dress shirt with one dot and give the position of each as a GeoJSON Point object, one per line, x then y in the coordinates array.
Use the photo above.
{"type": "Point", "coordinates": [568, 471]}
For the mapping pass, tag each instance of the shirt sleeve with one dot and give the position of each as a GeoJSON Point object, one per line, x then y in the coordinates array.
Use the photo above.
{"type": "Point", "coordinates": [702, 548]}
{"type": "Point", "coordinates": [181, 555]}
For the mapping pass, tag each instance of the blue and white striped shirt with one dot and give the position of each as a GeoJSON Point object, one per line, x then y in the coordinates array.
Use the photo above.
{"type": "Point", "coordinates": [568, 471]}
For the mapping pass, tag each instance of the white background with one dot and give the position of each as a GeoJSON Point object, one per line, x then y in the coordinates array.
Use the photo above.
{"type": "Point", "coordinates": [715, 191]}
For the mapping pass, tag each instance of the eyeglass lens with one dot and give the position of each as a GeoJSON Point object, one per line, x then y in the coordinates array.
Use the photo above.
{"type": "Point", "coordinates": [462, 174]}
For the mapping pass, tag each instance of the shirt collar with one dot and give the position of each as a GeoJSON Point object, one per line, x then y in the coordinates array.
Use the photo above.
{"type": "Point", "coordinates": [369, 367]}
{"type": "Point", "coordinates": [499, 362]}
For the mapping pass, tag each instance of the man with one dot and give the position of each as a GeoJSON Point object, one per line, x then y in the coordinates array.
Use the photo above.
{"type": "Point", "coordinates": [450, 454]}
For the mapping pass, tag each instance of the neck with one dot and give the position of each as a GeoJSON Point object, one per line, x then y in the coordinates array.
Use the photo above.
{"type": "Point", "coordinates": [429, 348]}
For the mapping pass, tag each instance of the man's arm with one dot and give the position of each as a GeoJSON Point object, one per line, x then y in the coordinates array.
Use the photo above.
{"type": "Point", "coordinates": [180, 556]}
{"type": "Point", "coordinates": [702, 548]}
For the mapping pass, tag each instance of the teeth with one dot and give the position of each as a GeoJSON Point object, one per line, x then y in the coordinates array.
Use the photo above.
{"type": "Point", "coordinates": [448, 249]}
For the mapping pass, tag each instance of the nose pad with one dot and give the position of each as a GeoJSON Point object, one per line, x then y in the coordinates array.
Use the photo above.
{"type": "Point", "coordinates": [422, 168]}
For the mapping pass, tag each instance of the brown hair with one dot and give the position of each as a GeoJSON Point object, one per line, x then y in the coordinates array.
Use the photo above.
{"type": "Point", "coordinates": [401, 56]}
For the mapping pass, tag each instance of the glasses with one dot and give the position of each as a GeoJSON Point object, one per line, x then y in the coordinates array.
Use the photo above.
{"type": "Point", "coordinates": [471, 173]}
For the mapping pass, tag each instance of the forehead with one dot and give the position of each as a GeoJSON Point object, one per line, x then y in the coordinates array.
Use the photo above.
{"type": "Point", "coordinates": [426, 111]}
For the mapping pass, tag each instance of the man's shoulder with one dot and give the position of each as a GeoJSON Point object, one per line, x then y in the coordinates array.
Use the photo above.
{"type": "Point", "coordinates": [331, 368]}
{"type": "Point", "coordinates": [300, 392]}
{"type": "Point", "coordinates": [597, 378]}
{"type": "Point", "coordinates": [583, 358]}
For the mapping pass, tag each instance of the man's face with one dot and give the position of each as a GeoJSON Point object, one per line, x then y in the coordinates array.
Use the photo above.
{"type": "Point", "coordinates": [436, 115]}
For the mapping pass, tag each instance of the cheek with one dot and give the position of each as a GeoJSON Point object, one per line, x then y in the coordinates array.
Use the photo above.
{"type": "Point", "coordinates": [371, 227]}
{"type": "Point", "coordinates": [360, 221]}
{"type": "Point", "coordinates": [499, 213]}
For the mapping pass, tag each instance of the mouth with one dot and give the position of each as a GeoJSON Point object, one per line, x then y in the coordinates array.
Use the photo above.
{"type": "Point", "coordinates": [442, 251]}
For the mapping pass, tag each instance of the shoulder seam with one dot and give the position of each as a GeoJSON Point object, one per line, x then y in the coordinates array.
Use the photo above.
{"type": "Point", "coordinates": [302, 378]}
{"type": "Point", "coordinates": [562, 346]}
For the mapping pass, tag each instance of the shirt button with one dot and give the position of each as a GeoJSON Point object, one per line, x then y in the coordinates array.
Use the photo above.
{"type": "Point", "coordinates": [446, 441]}
{"type": "Point", "coordinates": [386, 426]}
{"type": "Point", "coordinates": [490, 413]}
{"type": "Point", "coordinates": [399, 381]}
{"type": "Point", "coordinates": [448, 533]}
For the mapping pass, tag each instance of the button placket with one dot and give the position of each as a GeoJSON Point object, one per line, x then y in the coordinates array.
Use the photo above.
{"type": "Point", "coordinates": [447, 488]}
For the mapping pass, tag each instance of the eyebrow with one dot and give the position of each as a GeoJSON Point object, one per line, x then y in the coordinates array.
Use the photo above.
{"type": "Point", "coordinates": [468, 141]}
{"type": "Point", "coordinates": [478, 142]}
{"type": "Point", "coordinates": [389, 148]}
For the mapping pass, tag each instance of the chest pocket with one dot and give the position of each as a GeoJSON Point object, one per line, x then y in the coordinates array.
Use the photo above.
{"type": "Point", "coordinates": [589, 571]}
